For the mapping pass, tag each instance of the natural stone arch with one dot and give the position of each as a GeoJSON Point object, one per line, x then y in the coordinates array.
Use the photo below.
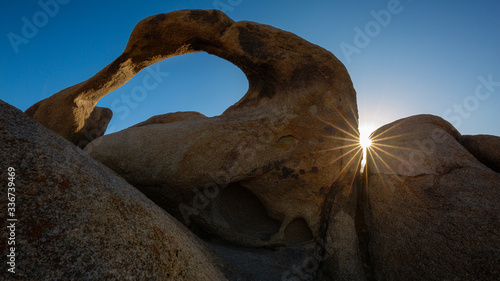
{"type": "Point", "coordinates": [288, 140]}
{"type": "Point", "coordinates": [278, 65]}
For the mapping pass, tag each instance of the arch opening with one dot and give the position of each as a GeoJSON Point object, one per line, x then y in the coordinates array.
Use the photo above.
{"type": "Point", "coordinates": [197, 82]}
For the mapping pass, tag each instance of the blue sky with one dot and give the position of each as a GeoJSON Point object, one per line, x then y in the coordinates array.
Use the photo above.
{"type": "Point", "coordinates": [436, 57]}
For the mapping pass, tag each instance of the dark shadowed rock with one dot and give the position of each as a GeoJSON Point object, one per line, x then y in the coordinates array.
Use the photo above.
{"type": "Point", "coordinates": [78, 220]}
{"type": "Point", "coordinates": [432, 207]}
{"type": "Point", "coordinates": [485, 148]}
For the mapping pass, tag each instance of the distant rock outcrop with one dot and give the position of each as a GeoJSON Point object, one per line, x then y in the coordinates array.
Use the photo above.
{"type": "Point", "coordinates": [431, 207]}
{"type": "Point", "coordinates": [485, 148]}
{"type": "Point", "coordinates": [77, 220]}
{"type": "Point", "coordinates": [171, 117]}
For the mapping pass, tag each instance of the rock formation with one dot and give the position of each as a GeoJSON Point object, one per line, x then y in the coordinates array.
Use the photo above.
{"type": "Point", "coordinates": [485, 148]}
{"type": "Point", "coordinates": [280, 149]}
{"type": "Point", "coordinates": [280, 68]}
{"type": "Point", "coordinates": [77, 220]}
{"type": "Point", "coordinates": [171, 117]}
{"type": "Point", "coordinates": [432, 207]}
{"type": "Point", "coordinates": [284, 143]}
{"type": "Point", "coordinates": [271, 186]}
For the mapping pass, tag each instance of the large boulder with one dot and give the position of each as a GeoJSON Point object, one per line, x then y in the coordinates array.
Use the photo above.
{"type": "Point", "coordinates": [431, 207]}
{"type": "Point", "coordinates": [78, 220]}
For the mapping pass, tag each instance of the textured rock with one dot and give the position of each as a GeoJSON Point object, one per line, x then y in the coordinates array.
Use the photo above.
{"type": "Point", "coordinates": [171, 117]}
{"type": "Point", "coordinates": [278, 65]}
{"type": "Point", "coordinates": [77, 220]}
{"type": "Point", "coordinates": [485, 148]}
{"type": "Point", "coordinates": [431, 207]}
{"type": "Point", "coordinates": [281, 145]}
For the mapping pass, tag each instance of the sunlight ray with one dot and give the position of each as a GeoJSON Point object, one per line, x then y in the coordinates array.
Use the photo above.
{"type": "Point", "coordinates": [392, 155]}
{"type": "Point", "coordinates": [347, 121]}
{"type": "Point", "coordinates": [340, 129]}
{"type": "Point", "coordinates": [354, 174]}
{"type": "Point", "coordinates": [346, 154]}
{"type": "Point", "coordinates": [342, 138]}
{"type": "Point", "coordinates": [346, 165]}
{"type": "Point", "coordinates": [377, 138]}
{"type": "Point", "coordinates": [378, 145]}
{"type": "Point", "coordinates": [355, 145]}
{"type": "Point", "coordinates": [387, 165]}
{"type": "Point", "coordinates": [376, 167]}
{"type": "Point", "coordinates": [375, 164]}
{"type": "Point", "coordinates": [387, 130]}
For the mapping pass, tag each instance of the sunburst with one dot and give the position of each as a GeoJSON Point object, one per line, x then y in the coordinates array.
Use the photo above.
{"type": "Point", "coordinates": [361, 145]}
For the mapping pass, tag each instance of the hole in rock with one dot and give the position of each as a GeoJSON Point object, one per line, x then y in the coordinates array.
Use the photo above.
{"type": "Point", "coordinates": [193, 82]}
{"type": "Point", "coordinates": [298, 231]}
{"type": "Point", "coordinates": [245, 212]}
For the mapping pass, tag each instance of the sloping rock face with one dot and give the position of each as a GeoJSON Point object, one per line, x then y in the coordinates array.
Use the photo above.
{"type": "Point", "coordinates": [431, 207]}
{"type": "Point", "coordinates": [77, 220]}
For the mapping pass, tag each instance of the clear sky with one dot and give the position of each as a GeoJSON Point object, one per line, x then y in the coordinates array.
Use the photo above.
{"type": "Point", "coordinates": [405, 57]}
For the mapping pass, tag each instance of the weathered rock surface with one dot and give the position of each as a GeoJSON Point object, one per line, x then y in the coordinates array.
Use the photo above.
{"type": "Point", "coordinates": [279, 66]}
{"type": "Point", "coordinates": [77, 220]}
{"type": "Point", "coordinates": [278, 151]}
{"type": "Point", "coordinates": [485, 148]}
{"type": "Point", "coordinates": [431, 207]}
{"type": "Point", "coordinates": [171, 117]}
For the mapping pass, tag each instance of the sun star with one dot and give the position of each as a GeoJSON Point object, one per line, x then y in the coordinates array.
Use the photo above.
{"type": "Point", "coordinates": [365, 141]}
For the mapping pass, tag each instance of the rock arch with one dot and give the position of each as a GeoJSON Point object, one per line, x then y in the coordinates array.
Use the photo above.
{"type": "Point", "coordinates": [280, 67]}
{"type": "Point", "coordinates": [291, 139]}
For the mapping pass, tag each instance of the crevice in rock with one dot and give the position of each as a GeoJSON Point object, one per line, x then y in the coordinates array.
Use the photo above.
{"type": "Point", "coordinates": [326, 211]}
{"type": "Point", "coordinates": [363, 210]}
